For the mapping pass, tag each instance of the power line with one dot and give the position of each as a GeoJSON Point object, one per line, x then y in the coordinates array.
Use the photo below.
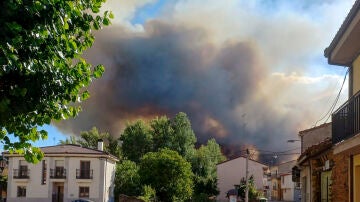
{"type": "Point", "coordinates": [337, 97]}
{"type": "Point", "coordinates": [279, 151]}
{"type": "Point", "coordinates": [329, 112]}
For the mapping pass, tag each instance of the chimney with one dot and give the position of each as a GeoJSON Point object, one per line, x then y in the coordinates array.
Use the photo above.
{"type": "Point", "coordinates": [100, 145]}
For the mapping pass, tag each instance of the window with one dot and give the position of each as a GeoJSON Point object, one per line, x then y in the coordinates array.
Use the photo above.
{"type": "Point", "coordinates": [59, 168]}
{"type": "Point", "coordinates": [23, 169]}
{"type": "Point", "coordinates": [282, 179]}
{"type": "Point", "coordinates": [84, 192]}
{"type": "Point", "coordinates": [85, 169]}
{"type": "Point", "coordinates": [21, 191]}
{"type": "Point", "coordinates": [43, 174]}
{"type": "Point", "coordinates": [274, 186]}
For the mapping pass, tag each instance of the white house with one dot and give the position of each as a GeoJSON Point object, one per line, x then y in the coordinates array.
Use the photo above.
{"type": "Point", "coordinates": [66, 172]}
{"type": "Point", "coordinates": [229, 173]}
{"type": "Point", "coordinates": [287, 185]}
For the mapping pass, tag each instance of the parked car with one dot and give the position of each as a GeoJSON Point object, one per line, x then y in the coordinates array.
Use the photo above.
{"type": "Point", "coordinates": [82, 200]}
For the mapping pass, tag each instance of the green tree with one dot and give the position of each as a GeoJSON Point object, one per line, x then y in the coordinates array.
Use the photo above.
{"type": "Point", "coordinates": [162, 133]}
{"type": "Point", "coordinates": [204, 167]}
{"type": "Point", "coordinates": [42, 74]}
{"type": "Point", "coordinates": [253, 193]}
{"type": "Point", "coordinates": [70, 140]}
{"type": "Point", "coordinates": [168, 173]}
{"type": "Point", "coordinates": [127, 179]}
{"type": "Point", "coordinates": [113, 147]}
{"type": "Point", "coordinates": [148, 194]}
{"type": "Point", "coordinates": [136, 141]}
{"type": "Point", "coordinates": [90, 139]}
{"type": "Point", "coordinates": [183, 136]}
{"type": "Point", "coordinates": [175, 134]}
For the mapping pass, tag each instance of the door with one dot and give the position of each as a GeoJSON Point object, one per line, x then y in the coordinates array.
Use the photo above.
{"type": "Point", "coordinates": [304, 196]}
{"type": "Point", "coordinates": [58, 192]}
{"type": "Point", "coordinates": [326, 186]}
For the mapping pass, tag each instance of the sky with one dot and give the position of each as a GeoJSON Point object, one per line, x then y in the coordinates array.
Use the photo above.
{"type": "Point", "coordinates": [249, 73]}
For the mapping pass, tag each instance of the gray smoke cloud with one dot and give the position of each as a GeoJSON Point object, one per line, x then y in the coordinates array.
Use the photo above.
{"type": "Point", "coordinates": [243, 84]}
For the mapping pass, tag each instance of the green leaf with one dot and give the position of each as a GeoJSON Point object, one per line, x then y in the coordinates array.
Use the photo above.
{"type": "Point", "coordinates": [98, 71]}
{"type": "Point", "coordinates": [73, 45]}
{"type": "Point", "coordinates": [106, 21]}
{"type": "Point", "coordinates": [85, 95]}
{"type": "Point", "coordinates": [111, 15]}
{"type": "Point", "coordinates": [37, 54]}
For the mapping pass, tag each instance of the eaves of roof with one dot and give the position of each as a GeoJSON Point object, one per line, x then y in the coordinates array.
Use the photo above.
{"type": "Point", "coordinates": [241, 156]}
{"type": "Point", "coordinates": [69, 150]}
{"type": "Point", "coordinates": [344, 26]}
{"type": "Point", "coordinates": [315, 150]}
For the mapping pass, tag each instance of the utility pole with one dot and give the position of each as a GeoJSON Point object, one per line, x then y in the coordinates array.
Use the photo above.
{"type": "Point", "coordinates": [247, 176]}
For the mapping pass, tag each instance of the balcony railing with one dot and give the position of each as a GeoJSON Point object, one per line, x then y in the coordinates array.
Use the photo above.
{"type": "Point", "coordinates": [346, 120]}
{"type": "Point", "coordinates": [84, 174]}
{"type": "Point", "coordinates": [58, 173]}
{"type": "Point", "coordinates": [21, 173]}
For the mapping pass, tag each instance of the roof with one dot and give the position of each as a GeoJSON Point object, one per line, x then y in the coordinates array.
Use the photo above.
{"type": "Point", "coordinates": [241, 156]}
{"type": "Point", "coordinates": [286, 167]}
{"type": "Point", "coordinates": [315, 149]}
{"type": "Point", "coordinates": [71, 150]}
{"type": "Point", "coordinates": [341, 32]}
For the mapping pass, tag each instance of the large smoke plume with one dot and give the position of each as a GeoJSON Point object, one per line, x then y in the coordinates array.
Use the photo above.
{"type": "Point", "coordinates": [241, 77]}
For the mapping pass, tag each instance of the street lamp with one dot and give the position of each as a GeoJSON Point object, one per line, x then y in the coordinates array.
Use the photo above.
{"type": "Point", "coordinates": [296, 140]}
{"type": "Point", "coordinates": [292, 141]}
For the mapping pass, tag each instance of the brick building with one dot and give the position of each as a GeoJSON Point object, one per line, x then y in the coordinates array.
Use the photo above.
{"type": "Point", "coordinates": [344, 51]}
{"type": "Point", "coordinates": [314, 165]}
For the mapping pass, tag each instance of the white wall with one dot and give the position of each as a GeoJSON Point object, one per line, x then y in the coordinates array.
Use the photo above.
{"type": "Point", "coordinates": [230, 173]}
{"type": "Point", "coordinates": [35, 190]}
{"type": "Point", "coordinates": [287, 187]}
{"type": "Point", "coordinates": [109, 180]}
{"type": "Point", "coordinates": [74, 184]}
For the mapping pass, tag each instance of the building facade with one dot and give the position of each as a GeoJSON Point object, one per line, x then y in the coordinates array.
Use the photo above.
{"type": "Point", "coordinates": [66, 172]}
{"type": "Point", "coordinates": [275, 183]}
{"type": "Point", "coordinates": [344, 51]}
{"type": "Point", "coordinates": [229, 173]}
{"type": "Point", "coordinates": [287, 186]}
{"type": "Point", "coordinates": [315, 164]}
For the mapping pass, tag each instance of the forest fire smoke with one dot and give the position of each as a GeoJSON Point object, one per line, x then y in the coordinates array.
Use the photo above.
{"type": "Point", "coordinates": [241, 83]}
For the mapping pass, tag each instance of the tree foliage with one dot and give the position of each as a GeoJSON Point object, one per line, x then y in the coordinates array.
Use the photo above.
{"type": "Point", "coordinates": [127, 180]}
{"type": "Point", "coordinates": [148, 194]}
{"type": "Point", "coordinates": [204, 167]}
{"type": "Point", "coordinates": [90, 139]}
{"type": "Point", "coordinates": [253, 193]}
{"type": "Point", "coordinates": [176, 134]}
{"type": "Point", "coordinates": [70, 140]}
{"type": "Point", "coordinates": [136, 141]}
{"type": "Point", "coordinates": [42, 73]}
{"type": "Point", "coordinates": [168, 173]}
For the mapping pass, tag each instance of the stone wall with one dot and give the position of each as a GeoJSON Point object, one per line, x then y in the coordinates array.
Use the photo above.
{"type": "Point", "coordinates": [340, 177]}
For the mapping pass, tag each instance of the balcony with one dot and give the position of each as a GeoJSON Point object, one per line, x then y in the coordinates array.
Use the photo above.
{"type": "Point", "coordinates": [346, 120]}
{"type": "Point", "coordinates": [58, 173]}
{"type": "Point", "coordinates": [84, 174]}
{"type": "Point", "coordinates": [21, 173]}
